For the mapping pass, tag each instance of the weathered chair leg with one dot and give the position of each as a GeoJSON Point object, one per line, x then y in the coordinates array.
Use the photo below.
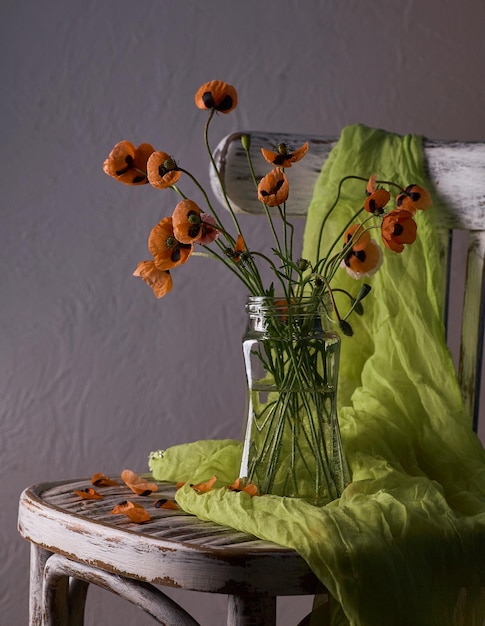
{"type": "Point", "coordinates": [78, 590]}
{"type": "Point", "coordinates": [38, 559]}
{"type": "Point", "coordinates": [143, 595]}
{"type": "Point", "coordinates": [251, 611]}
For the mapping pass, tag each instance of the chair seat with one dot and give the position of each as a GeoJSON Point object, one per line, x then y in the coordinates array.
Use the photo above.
{"type": "Point", "coordinates": [173, 549]}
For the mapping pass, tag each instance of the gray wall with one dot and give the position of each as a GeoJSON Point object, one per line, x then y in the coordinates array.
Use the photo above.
{"type": "Point", "coordinates": [95, 372]}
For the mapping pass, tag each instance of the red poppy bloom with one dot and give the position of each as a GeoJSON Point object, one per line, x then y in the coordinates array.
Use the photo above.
{"type": "Point", "coordinates": [127, 163]}
{"type": "Point", "coordinates": [191, 225]}
{"type": "Point", "coordinates": [218, 95]}
{"type": "Point", "coordinates": [414, 198]}
{"type": "Point", "coordinates": [165, 248]}
{"type": "Point", "coordinates": [398, 228]}
{"type": "Point", "coordinates": [365, 256]}
{"type": "Point", "coordinates": [159, 280]}
{"type": "Point", "coordinates": [162, 170]}
{"type": "Point", "coordinates": [284, 157]}
{"type": "Point", "coordinates": [376, 201]}
{"type": "Point", "coordinates": [273, 188]}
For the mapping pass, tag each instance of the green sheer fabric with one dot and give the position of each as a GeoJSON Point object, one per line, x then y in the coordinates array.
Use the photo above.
{"type": "Point", "coordinates": [405, 544]}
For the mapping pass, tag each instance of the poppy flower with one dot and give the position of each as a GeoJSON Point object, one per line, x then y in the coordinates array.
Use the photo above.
{"type": "Point", "coordinates": [284, 157]}
{"type": "Point", "coordinates": [137, 484]}
{"type": "Point", "coordinates": [191, 225]}
{"type": "Point", "coordinates": [239, 249]}
{"type": "Point", "coordinates": [88, 494]}
{"type": "Point", "coordinates": [101, 480]}
{"type": "Point", "coordinates": [414, 198]}
{"type": "Point", "coordinates": [127, 163]}
{"type": "Point", "coordinates": [239, 485]}
{"type": "Point", "coordinates": [204, 486]}
{"type": "Point", "coordinates": [365, 256]}
{"type": "Point", "coordinates": [134, 511]}
{"type": "Point", "coordinates": [165, 248]}
{"type": "Point", "coordinates": [218, 95]}
{"type": "Point", "coordinates": [159, 280]}
{"type": "Point", "coordinates": [376, 201]}
{"type": "Point", "coordinates": [273, 188]}
{"type": "Point", "coordinates": [162, 170]}
{"type": "Point", "coordinates": [398, 228]}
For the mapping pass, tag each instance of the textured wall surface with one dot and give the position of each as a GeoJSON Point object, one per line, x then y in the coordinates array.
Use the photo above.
{"type": "Point", "coordinates": [94, 371]}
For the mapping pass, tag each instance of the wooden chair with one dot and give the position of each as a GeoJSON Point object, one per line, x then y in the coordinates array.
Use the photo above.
{"type": "Point", "coordinates": [76, 542]}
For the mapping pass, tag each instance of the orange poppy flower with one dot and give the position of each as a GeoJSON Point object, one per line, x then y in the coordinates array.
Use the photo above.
{"type": "Point", "coordinates": [191, 225]}
{"type": "Point", "coordinates": [88, 494]}
{"type": "Point", "coordinates": [398, 228]}
{"type": "Point", "coordinates": [273, 188]}
{"type": "Point", "coordinates": [163, 503]}
{"type": "Point", "coordinates": [284, 157]}
{"type": "Point", "coordinates": [238, 485]}
{"type": "Point", "coordinates": [165, 248]}
{"type": "Point", "coordinates": [134, 511]}
{"type": "Point", "coordinates": [159, 280]}
{"type": "Point", "coordinates": [238, 250]}
{"type": "Point", "coordinates": [162, 170]}
{"type": "Point", "coordinates": [101, 480]}
{"type": "Point", "coordinates": [137, 484]}
{"type": "Point", "coordinates": [376, 201]}
{"type": "Point", "coordinates": [204, 486]}
{"type": "Point", "coordinates": [365, 256]}
{"type": "Point", "coordinates": [218, 95]}
{"type": "Point", "coordinates": [127, 163]}
{"type": "Point", "coordinates": [414, 198]}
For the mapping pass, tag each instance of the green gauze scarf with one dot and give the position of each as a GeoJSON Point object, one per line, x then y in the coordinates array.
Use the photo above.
{"type": "Point", "coordinates": [405, 543]}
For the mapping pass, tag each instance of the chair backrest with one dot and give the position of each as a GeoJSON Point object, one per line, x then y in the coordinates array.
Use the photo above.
{"type": "Point", "coordinates": [457, 171]}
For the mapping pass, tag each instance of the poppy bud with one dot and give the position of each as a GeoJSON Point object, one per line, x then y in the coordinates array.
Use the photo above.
{"type": "Point", "coordinates": [246, 142]}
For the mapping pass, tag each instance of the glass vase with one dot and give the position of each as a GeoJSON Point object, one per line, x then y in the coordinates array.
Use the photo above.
{"type": "Point", "coordinates": [292, 446]}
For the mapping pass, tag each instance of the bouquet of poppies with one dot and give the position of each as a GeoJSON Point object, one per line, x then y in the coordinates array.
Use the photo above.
{"type": "Point", "coordinates": [196, 229]}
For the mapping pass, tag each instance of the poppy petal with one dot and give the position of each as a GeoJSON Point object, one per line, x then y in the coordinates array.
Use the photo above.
{"type": "Point", "coordinates": [205, 486]}
{"type": "Point", "coordinates": [137, 484]}
{"type": "Point", "coordinates": [101, 480]}
{"type": "Point", "coordinates": [240, 485]}
{"type": "Point", "coordinates": [159, 280]}
{"type": "Point", "coordinates": [163, 503]}
{"type": "Point", "coordinates": [134, 511]}
{"type": "Point", "coordinates": [88, 494]}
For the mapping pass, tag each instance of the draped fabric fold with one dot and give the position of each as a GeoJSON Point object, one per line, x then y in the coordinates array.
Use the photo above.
{"type": "Point", "coordinates": [405, 543]}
